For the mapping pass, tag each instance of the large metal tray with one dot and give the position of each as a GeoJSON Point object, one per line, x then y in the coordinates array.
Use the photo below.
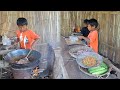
{"type": "Point", "coordinates": [103, 76]}
{"type": "Point", "coordinates": [75, 51]}
{"type": "Point", "coordinates": [80, 58]}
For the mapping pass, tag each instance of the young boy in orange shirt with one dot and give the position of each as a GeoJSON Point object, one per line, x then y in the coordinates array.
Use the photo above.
{"type": "Point", "coordinates": [92, 39]}
{"type": "Point", "coordinates": [25, 36]}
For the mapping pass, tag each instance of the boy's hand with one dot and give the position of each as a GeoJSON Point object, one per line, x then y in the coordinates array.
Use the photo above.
{"type": "Point", "coordinates": [80, 37]}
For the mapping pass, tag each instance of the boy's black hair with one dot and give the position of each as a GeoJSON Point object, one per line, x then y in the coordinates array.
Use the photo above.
{"type": "Point", "coordinates": [86, 21]}
{"type": "Point", "coordinates": [93, 22]}
{"type": "Point", "coordinates": [22, 21]}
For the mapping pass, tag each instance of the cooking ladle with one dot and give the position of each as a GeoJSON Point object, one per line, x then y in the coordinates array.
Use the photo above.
{"type": "Point", "coordinates": [26, 58]}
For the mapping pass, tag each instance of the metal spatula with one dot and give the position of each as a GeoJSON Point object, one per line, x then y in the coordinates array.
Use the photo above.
{"type": "Point", "coordinates": [26, 58]}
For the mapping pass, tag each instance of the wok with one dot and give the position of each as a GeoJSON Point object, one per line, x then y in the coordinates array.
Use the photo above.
{"type": "Point", "coordinates": [16, 55]}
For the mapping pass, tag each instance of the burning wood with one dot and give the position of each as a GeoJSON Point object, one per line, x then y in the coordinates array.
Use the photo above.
{"type": "Point", "coordinates": [36, 71]}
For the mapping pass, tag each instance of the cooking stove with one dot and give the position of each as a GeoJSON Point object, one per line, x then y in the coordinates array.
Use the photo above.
{"type": "Point", "coordinates": [45, 65]}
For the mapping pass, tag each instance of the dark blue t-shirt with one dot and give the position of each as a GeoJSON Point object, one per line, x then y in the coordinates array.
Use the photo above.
{"type": "Point", "coordinates": [85, 31]}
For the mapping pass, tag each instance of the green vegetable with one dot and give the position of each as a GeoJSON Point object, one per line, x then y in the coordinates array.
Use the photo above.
{"type": "Point", "coordinates": [103, 65]}
{"type": "Point", "coordinates": [100, 72]}
{"type": "Point", "coordinates": [96, 70]}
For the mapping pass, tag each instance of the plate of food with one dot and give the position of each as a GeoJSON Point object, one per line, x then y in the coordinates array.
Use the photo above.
{"type": "Point", "coordinates": [76, 51]}
{"type": "Point", "coordinates": [89, 59]}
{"type": "Point", "coordinates": [73, 40]}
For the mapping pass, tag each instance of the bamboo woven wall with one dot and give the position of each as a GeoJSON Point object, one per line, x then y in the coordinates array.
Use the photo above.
{"type": "Point", "coordinates": [48, 24]}
{"type": "Point", "coordinates": [109, 34]}
{"type": "Point", "coordinates": [44, 23]}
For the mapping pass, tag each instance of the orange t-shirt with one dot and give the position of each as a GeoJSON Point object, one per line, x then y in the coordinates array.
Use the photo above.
{"type": "Point", "coordinates": [93, 36]}
{"type": "Point", "coordinates": [26, 38]}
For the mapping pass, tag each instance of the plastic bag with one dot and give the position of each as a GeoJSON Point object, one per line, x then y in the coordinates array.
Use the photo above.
{"type": "Point", "coordinates": [6, 40]}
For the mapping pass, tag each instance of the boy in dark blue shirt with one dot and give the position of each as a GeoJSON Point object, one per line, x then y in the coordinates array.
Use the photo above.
{"type": "Point", "coordinates": [84, 30]}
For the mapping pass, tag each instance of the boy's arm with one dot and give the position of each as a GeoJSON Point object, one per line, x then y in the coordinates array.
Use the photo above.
{"type": "Point", "coordinates": [93, 37]}
{"type": "Point", "coordinates": [15, 44]}
{"type": "Point", "coordinates": [35, 42]}
{"type": "Point", "coordinates": [16, 39]}
{"type": "Point", "coordinates": [85, 38]}
{"type": "Point", "coordinates": [35, 37]}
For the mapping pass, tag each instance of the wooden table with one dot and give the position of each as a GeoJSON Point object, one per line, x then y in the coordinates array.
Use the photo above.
{"type": "Point", "coordinates": [71, 65]}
